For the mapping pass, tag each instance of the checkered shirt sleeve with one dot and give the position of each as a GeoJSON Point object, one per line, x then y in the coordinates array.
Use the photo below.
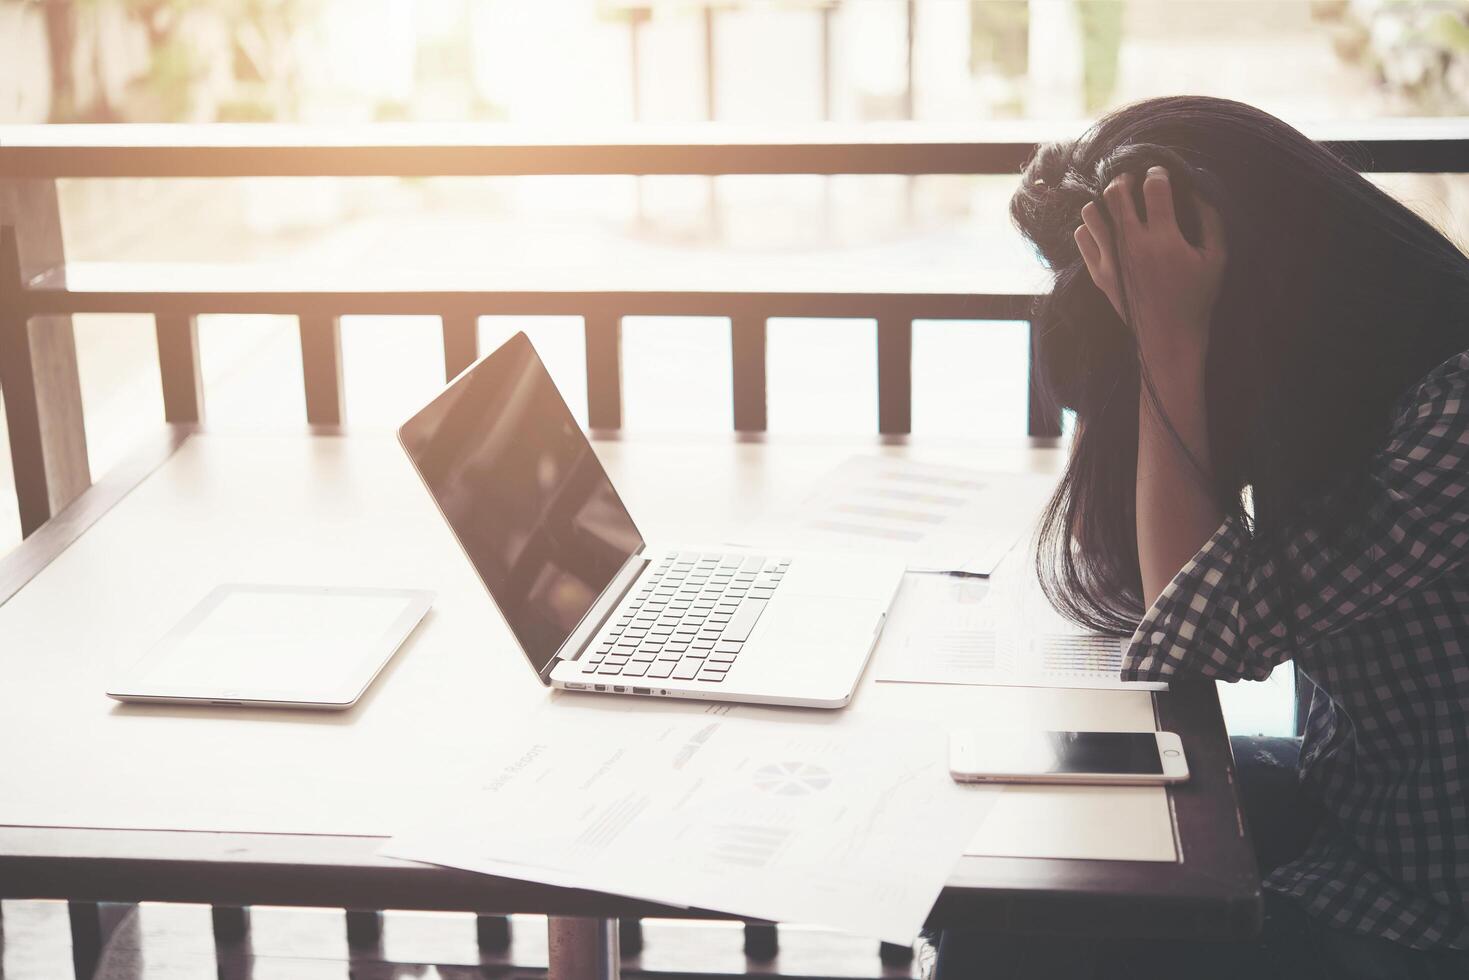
{"type": "Point", "coordinates": [1234, 613]}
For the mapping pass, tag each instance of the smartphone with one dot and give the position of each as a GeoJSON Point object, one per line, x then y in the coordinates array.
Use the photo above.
{"type": "Point", "coordinates": [1066, 757]}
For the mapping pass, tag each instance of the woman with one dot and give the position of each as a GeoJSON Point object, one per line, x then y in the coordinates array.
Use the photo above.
{"type": "Point", "coordinates": [1267, 360]}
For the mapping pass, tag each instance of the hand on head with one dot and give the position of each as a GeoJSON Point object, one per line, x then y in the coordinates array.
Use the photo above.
{"type": "Point", "coordinates": [1159, 283]}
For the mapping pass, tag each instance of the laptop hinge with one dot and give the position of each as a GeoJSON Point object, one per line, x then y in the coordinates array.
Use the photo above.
{"type": "Point", "coordinates": [606, 603]}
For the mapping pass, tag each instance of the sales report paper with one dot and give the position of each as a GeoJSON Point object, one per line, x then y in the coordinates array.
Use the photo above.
{"type": "Point", "coordinates": [936, 518]}
{"type": "Point", "coordinates": [821, 818]}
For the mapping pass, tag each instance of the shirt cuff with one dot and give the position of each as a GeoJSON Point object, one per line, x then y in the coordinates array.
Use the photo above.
{"type": "Point", "coordinates": [1173, 633]}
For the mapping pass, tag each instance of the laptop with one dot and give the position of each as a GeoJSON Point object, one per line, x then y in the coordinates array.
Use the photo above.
{"type": "Point", "coordinates": [596, 608]}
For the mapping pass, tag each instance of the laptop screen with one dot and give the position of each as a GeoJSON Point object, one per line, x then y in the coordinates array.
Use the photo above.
{"type": "Point", "coordinates": [528, 500]}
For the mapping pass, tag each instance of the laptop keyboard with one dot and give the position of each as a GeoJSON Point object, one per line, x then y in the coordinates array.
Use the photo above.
{"type": "Point", "coordinates": [688, 619]}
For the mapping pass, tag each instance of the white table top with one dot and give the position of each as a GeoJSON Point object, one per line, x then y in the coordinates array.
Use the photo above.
{"type": "Point", "coordinates": [349, 511]}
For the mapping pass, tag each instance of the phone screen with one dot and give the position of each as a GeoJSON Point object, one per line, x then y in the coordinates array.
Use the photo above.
{"type": "Point", "coordinates": [1042, 753]}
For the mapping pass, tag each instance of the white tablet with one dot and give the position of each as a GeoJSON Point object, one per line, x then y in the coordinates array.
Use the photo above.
{"type": "Point", "coordinates": [285, 646]}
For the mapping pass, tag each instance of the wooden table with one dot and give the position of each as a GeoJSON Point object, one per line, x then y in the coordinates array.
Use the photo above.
{"type": "Point", "coordinates": [235, 807]}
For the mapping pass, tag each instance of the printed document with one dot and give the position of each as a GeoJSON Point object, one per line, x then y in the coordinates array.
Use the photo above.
{"type": "Point", "coordinates": [938, 518]}
{"type": "Point", "coordinates": [951, 629]}
{"type": "Point", "coordinates": [849, 822]}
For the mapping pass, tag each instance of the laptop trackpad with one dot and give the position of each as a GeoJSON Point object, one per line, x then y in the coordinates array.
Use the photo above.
{"type": "Point", "coordinates": [843, 577]}
{"type": "Point", "coordinates": [826, 622]}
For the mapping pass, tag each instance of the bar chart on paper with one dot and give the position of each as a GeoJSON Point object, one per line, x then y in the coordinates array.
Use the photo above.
{"type": "Point", "coordinates": [847, 822]}
{"type": "Point", "coordinates": [1079, 655]}
{"type": "Point", "coordinates": [937, 518]}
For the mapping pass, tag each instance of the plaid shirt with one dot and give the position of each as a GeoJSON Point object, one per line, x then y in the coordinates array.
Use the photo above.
{"type": "Point", "coordinates": [1381, 626]}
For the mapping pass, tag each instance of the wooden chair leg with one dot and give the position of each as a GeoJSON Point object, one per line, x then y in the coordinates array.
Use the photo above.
{"type": "Point", "coordinates": [492, 933]}
{"type": "Point", "coordinates": [364, 929]}
{"type": "Point", "coordinates": [761, 942]}
{"type": "Point", "coordinates": [630, 936]}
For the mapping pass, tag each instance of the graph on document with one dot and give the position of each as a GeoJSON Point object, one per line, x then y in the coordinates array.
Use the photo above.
{"type": "Point", "coordinates": [747, 845]}
{"type": "Point", "coordinates": [1080, 655]}
{"type": "Point", "coordinates": [792, 778]}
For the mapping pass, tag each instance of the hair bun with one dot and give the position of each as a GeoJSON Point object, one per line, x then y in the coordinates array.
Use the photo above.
{"type": "Point", "coordinates": [1047, 206]}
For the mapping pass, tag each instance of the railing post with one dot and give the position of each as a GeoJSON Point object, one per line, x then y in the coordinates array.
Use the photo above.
{"type": "Point", "coordinates": [86, 937]}
{"type": "Point", "coordinates": [892, 954]}
{"type": "Point", "coordinates": [894, 376]}
{"type": "Point", "coordinates": [583, 949]}
{"type": "Point", "coordinates": [461, 343]}
{"type": "Point", "coordinates": [364, 929]}
{"type": "Point", "coordinates": [747, 361]}
{"type": "Point", "coordinates": [92, 924]}
{"type": "Point", "coordinates": [321, 367]}
{"type": "Point", "coordinates": [1043, 418]}
{"type": "Point", "coordinates": [231, 924]}
{"type": "Point", "coordinates": [38, 360]}
{"type": "Point", "coordinates": [762, 942]}
{"type": "Point", "coordinates": [232, 951]}
{"type": "Point", "coordinates": [178, 367]}
{"type": "Point", "coordinates": [492, 933]}
{"type": "Point", "coordinates": [603, 334]}
{"type": "Point", "coordinates": [630, 936]}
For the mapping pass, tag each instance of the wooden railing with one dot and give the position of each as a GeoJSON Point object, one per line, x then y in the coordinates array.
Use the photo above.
{"type": "Point", "coordinates": [37, 352]}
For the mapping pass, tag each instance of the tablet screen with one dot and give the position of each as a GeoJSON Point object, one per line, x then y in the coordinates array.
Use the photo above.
{"type": "Point", "coordinates": [278, 643]}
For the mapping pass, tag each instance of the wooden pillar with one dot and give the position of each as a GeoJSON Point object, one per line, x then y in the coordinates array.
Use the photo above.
{"type": "Point", "coordinates": [910, 35]}
{"type": "Point", "coordinates": [636, 17]}
{"type": "Point", "coordinates": [711, 84]}
{"type": "Point", "coordinates": [711, 106]}
{"type": "Point", "coordinates": [910, 99]}
{"type": "Point", "coordinates": [827, 87]}
{"type": "Point", "coordinates": [38, 359]}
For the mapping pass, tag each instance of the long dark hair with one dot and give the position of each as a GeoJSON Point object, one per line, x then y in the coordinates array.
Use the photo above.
{"type": "Point", "coordinates": [1335, 299]}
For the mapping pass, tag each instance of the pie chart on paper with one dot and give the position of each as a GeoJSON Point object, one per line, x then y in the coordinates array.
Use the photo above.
{"type": "Point", "coordinates": [792, 778]}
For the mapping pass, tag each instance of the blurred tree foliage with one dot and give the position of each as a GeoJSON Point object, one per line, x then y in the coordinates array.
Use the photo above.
{"type": "Point", "coordinates": [999, 41]}
{"type": "Point", "coordinates": [1418, 50]}
{"type": "Point", "coordinates": [999, 37]}
{"type": "Point", "coordinates": [1101, 40]}
{"type": "Point", "coordinates": [258, 39]}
